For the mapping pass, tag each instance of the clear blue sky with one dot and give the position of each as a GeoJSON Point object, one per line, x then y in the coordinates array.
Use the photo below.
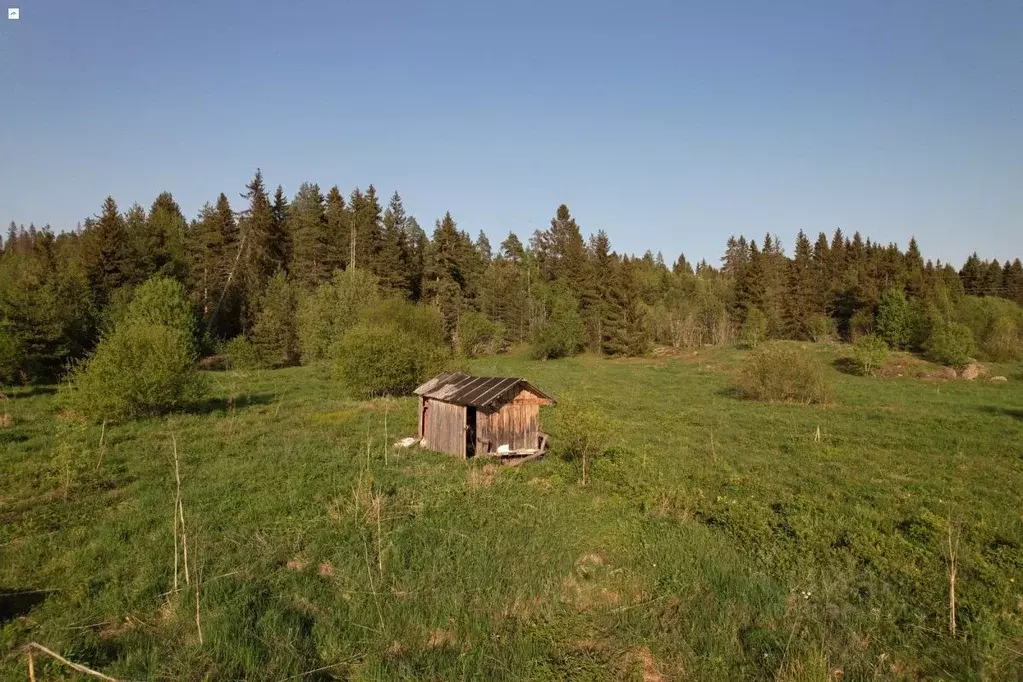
{"type": "Point", "coordinates": [668, 124]}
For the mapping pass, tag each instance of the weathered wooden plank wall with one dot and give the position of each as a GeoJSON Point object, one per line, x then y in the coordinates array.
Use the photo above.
{"type": "Point", "coordinates": [445, 427]}
{"type": "Point", "coordinates": [516, 424]}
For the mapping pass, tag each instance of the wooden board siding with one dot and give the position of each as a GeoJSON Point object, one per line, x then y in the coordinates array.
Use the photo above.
{"type": "Point", "coordinates": [516, 424]}
{"type": "Point", "coordinates": [445, 427]}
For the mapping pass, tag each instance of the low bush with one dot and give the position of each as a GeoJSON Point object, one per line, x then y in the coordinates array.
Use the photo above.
{"type": "Point", "coordinates": [821, 328]}
{"type": "Point", "coordinates": [326, 313]}
{"type": "Point", "coordinates": [754, 329]}
{"type": "Point", "coordinates": [893, 322]}
{"type": "Point", "coordinates": [12, 356]}
{"type": "Point", "coordinates": [378, 359]}
{"type": "Point", "coordinates": [477, 335]}
{"type": "Point", "coordinates": [138, 370]}
{"type": "Point", "coordinates": [1003, 342]}
{"type": "Point", "coordinates": [242, 354]}
{"type": "Point", "coordinates": [870, 352]}
{"type": "Point", "coordinates": [274, 334]}
{"type": "Point", "coordinates": [950, 344]}
{"type": "Point", "coordinates": [784, 372]}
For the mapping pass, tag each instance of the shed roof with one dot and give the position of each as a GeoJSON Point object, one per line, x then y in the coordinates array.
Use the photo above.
{"type": "Point", "coordinates": [462, 389]}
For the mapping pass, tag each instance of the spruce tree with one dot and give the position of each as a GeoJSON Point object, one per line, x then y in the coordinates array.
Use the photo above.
{"type": "Point", "coordinates": [308, 223]}
{"type": "Point", "coordinates": [166, 246]}
{"type": "Point", "coordinates": [339, 231]}
{"type": "Point", "coordinates": [257, 229]}
{"type": "Point", "coordinates": [278, 245]}
{"type": "Point", "coordinates": [801, 304]}
{"type": "Point", "coordinates": [392, 260]}
{"type": "Point", "coordinates": [111, 263]}
{"type": "Point", "coordinates": [275, 334]}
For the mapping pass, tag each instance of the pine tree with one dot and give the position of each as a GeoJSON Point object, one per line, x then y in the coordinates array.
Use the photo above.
{"type": "Point", "coordinates": [308, 224]}
{"type": "Point", "coordinates": [511, 249]}
{"type": "Point", "coordinates": [483, 248]}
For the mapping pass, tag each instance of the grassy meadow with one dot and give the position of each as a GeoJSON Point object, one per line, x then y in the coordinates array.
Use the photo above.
{"type": "Point", "coordinates": [718, 538]}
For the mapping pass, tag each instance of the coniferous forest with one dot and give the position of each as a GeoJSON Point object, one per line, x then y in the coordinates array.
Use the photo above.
{"type": "Point", "coordinates": [259, 270]}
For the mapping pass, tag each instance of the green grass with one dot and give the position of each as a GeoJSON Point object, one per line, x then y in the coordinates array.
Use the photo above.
{"type": "Point", "coordinates": [717, 540]}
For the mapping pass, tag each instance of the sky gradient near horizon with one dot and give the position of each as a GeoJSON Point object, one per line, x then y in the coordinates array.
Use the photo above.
{"type": "Point", "coordinates": [669, 125]}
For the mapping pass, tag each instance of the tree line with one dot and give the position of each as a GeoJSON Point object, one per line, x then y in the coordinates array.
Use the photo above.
{"type": "Point", "coordinates": [252, 268]}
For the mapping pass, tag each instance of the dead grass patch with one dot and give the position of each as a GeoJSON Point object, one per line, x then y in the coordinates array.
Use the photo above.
{"type": "Point", "coordinates": [440, 638]}
{"type": "Point", "coordinates": [647, 664]}
{"type": "Point", "coordinates": [297, 564]}
{"type": "Point", "coordinates": [326, 569]}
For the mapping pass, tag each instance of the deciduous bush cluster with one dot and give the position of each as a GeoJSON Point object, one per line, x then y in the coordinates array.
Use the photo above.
{"type": "Point", "coordinates": [393, 348]}
{"type": "Point", "coordinates": [145, 365]}
{"type": "Point", "coordinates": [870, 352]}
{"type": "Point", "coordinates": [784, 372]}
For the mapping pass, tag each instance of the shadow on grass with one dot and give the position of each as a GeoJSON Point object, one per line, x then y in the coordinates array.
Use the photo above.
{"type": "Point", "coordinates": [1002, 411]}
{"type": "Point", "coordinates": [225, 404]}
{"type": "Point", "coordinates": [11, 436]}
{"type": "Point", "coordinates": [846, 366]}
{"type": "Point", "coordinates": [18, 602]}
{"type": "Point", "coordinates": [31, 391]}
{"type": "Point", "coordinates": [733, 392]}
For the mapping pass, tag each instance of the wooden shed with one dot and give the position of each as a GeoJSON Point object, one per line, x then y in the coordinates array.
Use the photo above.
{"type": "Point", "coordinates": [469, 416]}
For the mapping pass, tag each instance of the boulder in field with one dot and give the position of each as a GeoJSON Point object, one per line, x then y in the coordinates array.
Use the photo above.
{"type": "Point", "coordinates": [973, 370]}
{"type": "Point", "coordinates": [999, 379]}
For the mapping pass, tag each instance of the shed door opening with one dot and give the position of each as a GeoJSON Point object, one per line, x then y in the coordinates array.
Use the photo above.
{"type": "Point", "coordinates": [470, 431]}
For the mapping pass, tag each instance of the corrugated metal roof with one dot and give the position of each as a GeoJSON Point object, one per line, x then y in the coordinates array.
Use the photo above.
{"type": "Point", "coordinates": [461, 389]}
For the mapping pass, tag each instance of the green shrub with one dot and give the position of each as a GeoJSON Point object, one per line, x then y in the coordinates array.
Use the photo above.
{"type": "Point", "coordinates": [12, 357]}
{"type": "Point", "coordinates": [870, 352]}
{"type": "Point", "coordinates": [923, 316]}
{"type": "Point", "coordinates": [477, 335]}
{"type": "Point", "coordinates": [164, 301]}
{"type": "Point", "coordinates": [1003, 342]}
{"type": "Point", "coordinates": [893, 319]}
{"type": "Point", "coordinates": [425, 323]}
{"type": "Point", "coordinates": [274, 334]}
{"type": "Point", "coordinates": [326, 313]}
{"type": "Point", "coordinates": [821, 328]}
{"type": "Point", "coordinates": [951, 343]}
{"type": "Point", "coordinates": [784, 372]}
{"type": "Point", "coordinates": [138, 370]}
{"type": "Point", "coordinates": [242, 354]}
{"type": "Point", "coordinates": [378, 359]}
{"type": "Point", "coordinates": [581, 433]}
{"type": "Point", "coordinates": [562, 334]}
{"type": "Point", "coordinates": [754, 330]}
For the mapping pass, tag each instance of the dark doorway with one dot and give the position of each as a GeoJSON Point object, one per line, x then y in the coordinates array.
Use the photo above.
{"type": "Point", "coordinates": [470, 432]}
